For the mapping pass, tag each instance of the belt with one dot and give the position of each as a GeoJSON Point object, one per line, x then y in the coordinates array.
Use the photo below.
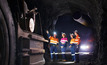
{"type": "Point", "coordinates": [52, 44]}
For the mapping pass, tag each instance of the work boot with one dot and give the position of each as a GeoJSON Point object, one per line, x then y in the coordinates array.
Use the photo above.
{"type": "Point", "coordinates": [63, 60]}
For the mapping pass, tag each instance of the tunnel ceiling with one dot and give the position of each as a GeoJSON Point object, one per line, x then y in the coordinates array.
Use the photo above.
{"type": "Point", "coordinates": [51, 9]}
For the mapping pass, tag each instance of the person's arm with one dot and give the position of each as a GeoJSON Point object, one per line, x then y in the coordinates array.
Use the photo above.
{"type": "Point", "coordinates": [70, 46]}
{"type": "Point", "coordinates": [48, 34]}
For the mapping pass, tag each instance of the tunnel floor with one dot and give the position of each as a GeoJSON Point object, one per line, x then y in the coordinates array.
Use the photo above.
{"type": "Point", "coordinates": [83, 60]}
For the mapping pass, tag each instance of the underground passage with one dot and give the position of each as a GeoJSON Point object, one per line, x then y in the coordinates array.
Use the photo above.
{"type": "Point", "coordinates": [53, 32]}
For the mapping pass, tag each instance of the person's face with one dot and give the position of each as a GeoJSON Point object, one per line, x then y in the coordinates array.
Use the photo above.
{"type": "Point", "coordinates": [55, 35]}
{"type": "Point", "coordinates": [63, 35]}
{"type": "Point", "coordinates": [71, 36]}
{"type": "Point", "coordinates": [75, 33]}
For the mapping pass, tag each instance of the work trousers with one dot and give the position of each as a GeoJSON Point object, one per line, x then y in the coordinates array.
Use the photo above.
{"type": "Point", "coordinates": [63, 52]}
{"type": "Point", "coordinates": [73, 48]}
{"type": "Point", "coordinates": [53, 50]}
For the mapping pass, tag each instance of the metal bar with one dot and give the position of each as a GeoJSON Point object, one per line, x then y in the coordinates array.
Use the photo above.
{"type": "Point", "coordinates": [40, 24]}
{"type": "Point", "coordinates": [30, 35]}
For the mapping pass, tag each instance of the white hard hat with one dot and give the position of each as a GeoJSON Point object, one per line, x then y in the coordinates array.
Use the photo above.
{"type": "Point", "coordinates": [54, 33]}
{"type": "Point", "coordinates": [76, 31]}
{"type": "Point", "coordinates": [63, 33]}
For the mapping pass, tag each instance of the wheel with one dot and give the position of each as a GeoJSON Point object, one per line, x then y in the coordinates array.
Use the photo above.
{"type": "Point", "coordinates": [7, 35]}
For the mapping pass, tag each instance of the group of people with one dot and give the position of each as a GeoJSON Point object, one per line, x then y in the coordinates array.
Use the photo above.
{"type": "Point", "coordinates": [54, 42]}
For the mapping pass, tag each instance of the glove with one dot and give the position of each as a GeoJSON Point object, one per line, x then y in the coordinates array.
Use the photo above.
{"type": "Point", "coordinates": [77, 46]}
{"type": "Point", "coordinates": [70, 46]}
{"type": "Point", "coordinates": [61, 46]}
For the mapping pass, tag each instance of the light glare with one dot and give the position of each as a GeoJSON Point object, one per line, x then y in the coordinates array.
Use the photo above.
{"type": "Point", "coordinates": [84, 47]}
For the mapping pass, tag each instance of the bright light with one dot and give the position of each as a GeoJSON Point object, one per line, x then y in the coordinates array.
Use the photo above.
{"type": "Point", "coordinates": [66, 62]}
{"type": "Point", "coordinates": [55, 33]}
{"type": "Point", "coordinates": [31, 25]}
{"type": "Point", "coordinates": [84, 47]}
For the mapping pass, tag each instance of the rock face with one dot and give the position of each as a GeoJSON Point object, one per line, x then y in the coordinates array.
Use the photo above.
{"type": "Point", "coordinates": [50, 10]}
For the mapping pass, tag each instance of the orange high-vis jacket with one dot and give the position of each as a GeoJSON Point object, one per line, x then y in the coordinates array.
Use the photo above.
{"type": "Point", "coordinates": [77, 39]}
{"type": "Point", "coordinates": [72, 41]}
{"type": "Point", "coordinates": [53, 40]}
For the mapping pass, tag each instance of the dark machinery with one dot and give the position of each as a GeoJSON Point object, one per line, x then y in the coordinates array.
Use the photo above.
{"type": "Point", "coordinates": [21, 39]}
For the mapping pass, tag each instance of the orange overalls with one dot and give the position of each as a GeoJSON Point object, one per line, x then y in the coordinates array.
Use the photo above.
{"type": "Point", "coordinates": [53, 43]}
{"type": "Point", "coordinates": [73, 47]}
{"type": "Point", "coordinates": [53, 40]}
{"type": "Point", "coordinates": [77, 39]}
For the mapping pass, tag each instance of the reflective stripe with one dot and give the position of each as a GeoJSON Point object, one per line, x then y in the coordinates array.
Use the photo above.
{"type": "Point", "coordinates": [78, 37]}
{"type": "Point", "coordinates": [53, 41]}
{"type": "Point", "coordinates": [63, 43]}
{"type": "Point", "coordinates": [54, 53]}
{"type": "Point", "coordinates": [63, 40]}
{"type": "Point", "coordinates": [63, 52]}
{"type": "Point", "coordinates": [73, 54]}
{"type": "Point", "coordinates": [76, 53]}
{"type": "Point", "coordinates": [72, 42]}
{"type": "Point", "coordinates": [49, 36]}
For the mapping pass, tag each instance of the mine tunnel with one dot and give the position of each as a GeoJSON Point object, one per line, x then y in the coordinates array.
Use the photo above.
{"type": "Point", "coordinates": [23, 26]}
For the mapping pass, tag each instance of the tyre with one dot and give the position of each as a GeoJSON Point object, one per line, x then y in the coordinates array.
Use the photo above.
{"type": "Point", "coordinates": [7, 35]}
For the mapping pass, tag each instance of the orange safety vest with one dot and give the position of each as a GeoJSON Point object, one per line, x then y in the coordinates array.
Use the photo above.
{"type": "Point", "coordinates": [53, 40]}
{"type": "Point", "coordinates": [72, 41]}
{"type": "Point", "coordinates": [77, 39]}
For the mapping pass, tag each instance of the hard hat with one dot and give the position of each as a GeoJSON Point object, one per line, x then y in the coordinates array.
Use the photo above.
{"type": "Point", "coordinates": [63, 33]}
{"type": "Point", "coordinates": [76, 31]}
{"type": "Point", "coordinates": [54, 33]}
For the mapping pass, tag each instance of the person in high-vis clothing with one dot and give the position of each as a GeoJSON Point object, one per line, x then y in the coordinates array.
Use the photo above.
{"type": "Point", "coordinates": [53, 45]}
{"type": "Point", "coordinates": [63, 41]}
{"type": "Point", "coordinates": [77, 40]}
{"type": "Point", "coordinates": [73, 47]}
